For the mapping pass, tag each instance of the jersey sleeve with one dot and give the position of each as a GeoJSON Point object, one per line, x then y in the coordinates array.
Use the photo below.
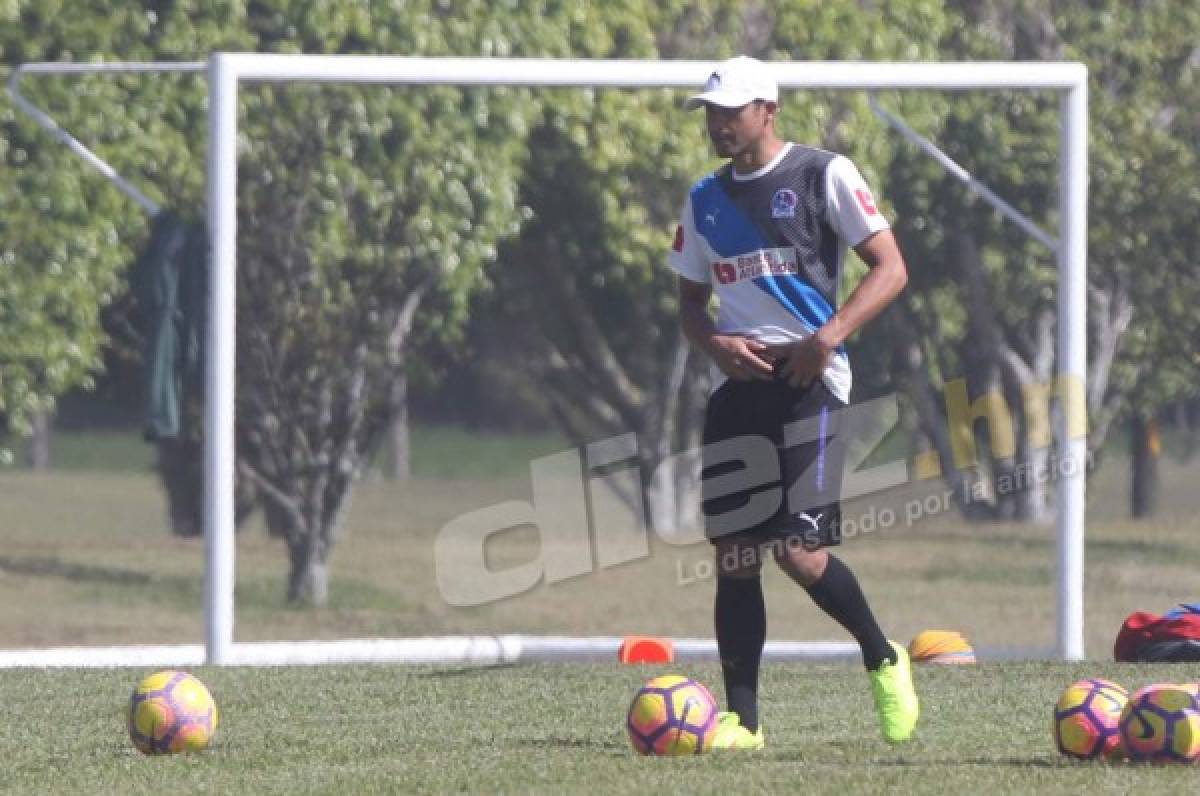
{"type": "Point", "coordinates": [853, 213]}
{"type": "Point", "coordinates": [687, 251]}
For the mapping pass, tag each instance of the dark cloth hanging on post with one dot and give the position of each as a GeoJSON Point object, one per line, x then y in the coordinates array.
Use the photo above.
{"type": "Point", "coordinates": [170, 284]}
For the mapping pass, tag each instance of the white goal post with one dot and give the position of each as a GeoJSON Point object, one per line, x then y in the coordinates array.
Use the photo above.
{"type": "Point", "coordinates": [226, 71]}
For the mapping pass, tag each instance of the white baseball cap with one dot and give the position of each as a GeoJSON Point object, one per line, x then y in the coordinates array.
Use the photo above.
{"type": "Point", "coordinates": [737, 82]}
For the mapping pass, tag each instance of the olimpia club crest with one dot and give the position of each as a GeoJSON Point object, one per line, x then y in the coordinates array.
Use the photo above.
{"type": "Point", "coordinates": [783, 203]}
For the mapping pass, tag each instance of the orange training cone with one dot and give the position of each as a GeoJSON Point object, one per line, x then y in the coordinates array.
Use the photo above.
{"type": "Point", "coordinates": [646, 649]}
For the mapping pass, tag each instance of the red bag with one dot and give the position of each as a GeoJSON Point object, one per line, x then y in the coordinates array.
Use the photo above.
{"type": "Point", "coordinates": [1141, 629]}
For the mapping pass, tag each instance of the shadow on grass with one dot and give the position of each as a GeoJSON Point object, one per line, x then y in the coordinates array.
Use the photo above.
{"type": "Point", "coordinates": [1166, 552]}
{"type": "Point", "coordinates": [1026, 762]}
{"type": "Point", "coordinates": [466, 671]}
{"type": "Point", "coordinates": [1107, 549]}
{"type": "Point", "coordinates": [262, 595]}
{"type": "Point", "coordinates": [991, 573]}
{"type": "Point", "coordinates": [47, 566]}
{"type": "Point", "coordinates": [1152, 550]}
{"type": "Point", "coordinates": [610, 747]}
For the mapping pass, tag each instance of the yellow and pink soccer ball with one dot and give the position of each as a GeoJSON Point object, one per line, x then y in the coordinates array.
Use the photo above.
{"type": "Point", "coordinates": [1086, 719]}
{"type": "Point", "coordinates": [1161, 723]}
{"type": "Point", "coordinates": [169, 712]}
{"type": "Point", "coordinates": [672, 716]}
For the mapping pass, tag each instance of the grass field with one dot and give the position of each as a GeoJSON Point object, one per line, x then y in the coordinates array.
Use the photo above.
{"type": "Point", "coordinates": [555, 729]}
{"type": "Point", "coordinates": [437, 451]}
{"type": "Point", "coordinates": [86, 560]}
{"type": "Point", "coordinates": [90, 550]}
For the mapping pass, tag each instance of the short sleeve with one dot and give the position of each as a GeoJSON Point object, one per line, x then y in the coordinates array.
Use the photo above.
{"type": "Point", "coordinates": [853, 213]}
{"type": "Point", "coordinates": [687, 251]}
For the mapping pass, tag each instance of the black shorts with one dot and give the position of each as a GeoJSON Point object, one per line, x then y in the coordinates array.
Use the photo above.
{"type": "Point", "coordinates": [773, 462]}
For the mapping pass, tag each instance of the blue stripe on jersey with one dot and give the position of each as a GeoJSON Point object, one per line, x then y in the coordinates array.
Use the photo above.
{"type": "Point", "coordinates": [721, 223]}
{"type": "Point", "coordinates": [799, 298]}
{"type": "Point", "coordinates": [730, 234]}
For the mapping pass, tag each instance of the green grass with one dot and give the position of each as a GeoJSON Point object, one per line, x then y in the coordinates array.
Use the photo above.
{"type": "Point", "coordinates": [555, 729]}
{"type": "Point", "coordinates": [108, 451]}
{"type": "Point", "coordinates": [86, 559]}
{"type": "Point", "coordinates": [91, 551]}
{"type": "Point", "coordinates": [447, 452]}
{"type": "Point", "coordinates": [437, 452]}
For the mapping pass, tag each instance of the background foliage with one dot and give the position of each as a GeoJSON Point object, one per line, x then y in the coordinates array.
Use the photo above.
{"type": "Point", "coordinates": [503, 248]}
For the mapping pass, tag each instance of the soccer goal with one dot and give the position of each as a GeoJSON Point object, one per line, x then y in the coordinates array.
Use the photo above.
{"type": "Point", "coordinates": [228, 72]}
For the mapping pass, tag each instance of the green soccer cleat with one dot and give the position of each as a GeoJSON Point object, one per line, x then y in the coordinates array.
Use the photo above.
{"type": "Point", "coordinates": [895, 697]}
{"type": "Point", "coordinates": [731, 734]}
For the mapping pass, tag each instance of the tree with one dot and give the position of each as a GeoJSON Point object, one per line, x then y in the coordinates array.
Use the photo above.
{"type": "Point", "coordinates": [583, 287]}
{"type": "Point", "coordinates": [62, 232]}
{"type": "Point", "coordinates": [605, 188]}
{"type": "Point", "coordinates": [400, 196]}
{"type": "Point", "coordinates": [69, 235]}
{"type": "Point", "coordinates": [1148, 88]}
{"type": "Point", "coordinates": [357, 205]}
{"type": "Point", "coordinates": [981, 305]}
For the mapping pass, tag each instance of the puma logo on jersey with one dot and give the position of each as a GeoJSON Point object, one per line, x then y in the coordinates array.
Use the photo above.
{"type": "Point", "coordinates": [711, 217]}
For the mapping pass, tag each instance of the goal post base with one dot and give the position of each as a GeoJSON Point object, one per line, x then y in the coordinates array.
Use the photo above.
{"type": "Point", "coordinates": [437, 650]}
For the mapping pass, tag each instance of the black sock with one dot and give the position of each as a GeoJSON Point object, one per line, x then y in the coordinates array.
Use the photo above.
{"type": "Point", "coordinates": [741, 621]}
{"type": "Point", "coordinates": [839, 595]}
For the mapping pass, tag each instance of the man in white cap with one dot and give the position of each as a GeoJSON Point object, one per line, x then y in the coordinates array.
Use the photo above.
{"type": "Point", "coordinates": [768, 232]}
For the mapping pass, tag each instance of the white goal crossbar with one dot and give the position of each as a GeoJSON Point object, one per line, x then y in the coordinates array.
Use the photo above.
{"type": "Point", "coordinates": [226, 71]}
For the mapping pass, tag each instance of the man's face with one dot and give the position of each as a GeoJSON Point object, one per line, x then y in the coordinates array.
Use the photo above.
{"type": "Point", "coordinates": [734, 130]}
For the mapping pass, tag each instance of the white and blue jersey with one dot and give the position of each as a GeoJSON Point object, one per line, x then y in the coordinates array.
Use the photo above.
{"type": "Point", "coordinates": [772, 243]}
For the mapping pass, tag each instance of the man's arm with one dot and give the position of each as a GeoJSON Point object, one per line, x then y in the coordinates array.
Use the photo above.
{"type": "Point", "coordinates": [736, 356]}
{"type": "Point", "coordinates": [886, 278]}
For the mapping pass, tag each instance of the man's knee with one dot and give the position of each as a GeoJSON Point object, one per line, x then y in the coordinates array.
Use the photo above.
{"type": "Point", "coordinates": [738, 558]}
{"type": "Point", "coordinates": [801, 562]}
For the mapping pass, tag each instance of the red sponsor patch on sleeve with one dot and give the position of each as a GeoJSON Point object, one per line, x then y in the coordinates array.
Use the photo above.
{"type": "Point", "coordinates": [678, 245]}
{"type": "Point", "coordinates": [867, 201]}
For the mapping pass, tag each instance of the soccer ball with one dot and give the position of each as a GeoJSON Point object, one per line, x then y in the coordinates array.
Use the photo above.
{"type": "Point", "coordinates": [1162, 723]}
{"type": "Point", "coordinates": [671, 716]}
{"type": "Point", "coordinates": [1086, 718]}
{"type": "Point", "coordinates": [171, 712]}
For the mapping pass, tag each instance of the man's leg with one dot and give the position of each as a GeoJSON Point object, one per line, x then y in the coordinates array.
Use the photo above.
{"type": "Point", "coordinates": [740, 484]}
{"type": "Point", "coordinates": [812, 461]}
{"type": "Point", "coordinates": [740, 617]}
{"type": "Point", "coordinates": [835, 590]}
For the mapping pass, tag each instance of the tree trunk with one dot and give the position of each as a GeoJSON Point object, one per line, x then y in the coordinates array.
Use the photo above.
{"type": "Point", "coordinates": [912, 371]}
{"type": "Point", "coordinates": [1033, 476]}
{"type": "Point", "coordinates": [1146, 449]}
{"type": "Point", "coordinates": [673, 500]}
{"type": "Point", "coordinates": [183, 481]}
{"type": "Point", "coordinates": [662, 504]}
{"type": "Point", "coordinates": [399, 460]}
{"type": "Point", "coordinates": [308, 579]}
{"type": "Point", "coordinates": [1185, 430]}
{"type": "Point", "coordinates": [181, 472]}
{"type": "Point", "coordinates": [38, 449]}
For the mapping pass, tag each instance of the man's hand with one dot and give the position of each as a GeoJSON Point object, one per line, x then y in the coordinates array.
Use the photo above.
{"type": "Point", "coordinates": [807, 359]}
{"type": "Point", "coordinates": [738, 357]}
